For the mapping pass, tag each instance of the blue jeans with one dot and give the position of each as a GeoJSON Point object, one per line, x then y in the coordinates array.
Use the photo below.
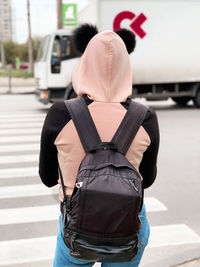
{"type": "Point", "coordinates": [63, 258]}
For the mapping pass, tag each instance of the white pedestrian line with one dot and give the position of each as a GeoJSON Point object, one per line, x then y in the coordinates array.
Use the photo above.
{"type": "Point", "coordinates": [27, 191]}
{"type": "Point", "coordinates": [22, 115]}
{"type": "Point", "coordinates": [19, 125]}
{"type": "Point", "coordinates": [20, 148]}
{"type": "Point", "coordinates": [22, 138]}
{"type": "Point", "coordinates": [171, 235]}
{"type": "Point", "coordinates": [29, 214]}
{"type": "Point", "coordinates": [153, 204]}
{"type": "Point", "coordinates": [20, 191]}
{"type": "Point", "coordinates": [20, 131]}
{"type": "Point", "coordinates": [18, 172]}
{"type": "Point", "coordinates": [38, 249]}
{"type": "Point", "coordinates": [27, 250]}
{"type": "Point", "coordinates": [10, 120]}
{"type": "Point", "coordinates": [19, 159]}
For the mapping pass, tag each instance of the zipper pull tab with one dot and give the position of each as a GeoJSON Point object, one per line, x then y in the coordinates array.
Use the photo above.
{"type": "Point", "coordinates": [134, 186]}
{"type": "Point", "coordinates": [79, 185]}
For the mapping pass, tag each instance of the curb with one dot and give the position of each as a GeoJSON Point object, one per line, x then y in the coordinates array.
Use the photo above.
{"type": "Point", "coordinates": [17, 90]}
{"type": "Point", "coordinates": [191, 263]}
{"type": "Point", "coordinates": [190, 258]}
{"type": "Point", "coordinates": [20, 93]}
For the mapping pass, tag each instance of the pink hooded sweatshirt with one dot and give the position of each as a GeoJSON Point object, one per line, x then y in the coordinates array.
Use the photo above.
{"type": "Point", "coordinates": [104, 75]}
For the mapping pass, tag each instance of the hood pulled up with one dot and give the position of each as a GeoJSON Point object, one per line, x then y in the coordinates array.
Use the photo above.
{"type": "Point", "coordinates": [104, 71]}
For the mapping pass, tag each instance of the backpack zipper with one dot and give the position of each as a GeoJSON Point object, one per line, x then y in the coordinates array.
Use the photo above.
{"type": "Point", "coordinates": [72, 243]}
{"type": "Point", "coordinates": [79, 185]}
{"type": "Point", "coordinates": [134, 186]}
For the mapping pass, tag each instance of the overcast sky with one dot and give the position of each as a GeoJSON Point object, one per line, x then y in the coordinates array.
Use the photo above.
{"type": "Point", "coordinates": [43, 18]}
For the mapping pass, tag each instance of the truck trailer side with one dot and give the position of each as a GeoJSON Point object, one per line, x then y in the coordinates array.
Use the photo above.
{"type": "Point", "coordinates": [165, 63]}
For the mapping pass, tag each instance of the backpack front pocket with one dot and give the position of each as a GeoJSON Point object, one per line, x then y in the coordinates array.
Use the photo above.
{"type": "Point", "coordinates": [107, 207]}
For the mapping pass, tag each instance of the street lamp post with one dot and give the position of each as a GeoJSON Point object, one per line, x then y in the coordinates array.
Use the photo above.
{"type": "Point", "coordinates": [2, 54]}
{"type": "Point", "coordinates": [30, 44]}
{"type": "Point", "coordinates": [59, 14]}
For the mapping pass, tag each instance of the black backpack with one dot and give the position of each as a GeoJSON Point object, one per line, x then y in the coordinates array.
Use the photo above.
{"type": "Point", "coordinates": [100, 220]}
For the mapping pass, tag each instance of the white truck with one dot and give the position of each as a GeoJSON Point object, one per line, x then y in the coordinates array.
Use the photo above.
{"type": "Point", "coordinates": [165, 63]}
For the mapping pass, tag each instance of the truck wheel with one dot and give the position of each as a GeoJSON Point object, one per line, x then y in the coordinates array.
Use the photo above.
{"type": "Point", "coordinates": [196, 99]}
{"type": "Point", "coordinates": [181, 101]}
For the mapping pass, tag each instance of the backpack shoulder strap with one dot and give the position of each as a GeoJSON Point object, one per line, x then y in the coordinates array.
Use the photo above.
{"type": "Point", "coordinates": [83, 122]}
{"type": "Point", "coordinates": [129, 126]}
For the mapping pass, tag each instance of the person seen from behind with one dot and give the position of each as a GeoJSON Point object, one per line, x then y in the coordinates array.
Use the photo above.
{"type": "Point", "coordinates": [103, 79]}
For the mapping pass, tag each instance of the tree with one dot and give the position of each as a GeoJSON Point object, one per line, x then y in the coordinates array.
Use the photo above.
{"type": "Point", "coordinates": [13, 50]}
{"type": "Point", "coordinates": [10, 51]}
{"type": "Point", "coordinates": [22, 52]}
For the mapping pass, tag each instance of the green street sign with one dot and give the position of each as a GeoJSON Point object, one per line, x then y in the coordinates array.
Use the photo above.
{"type": "Point", "coordinates": [17, 62]}
{"type": "Point", "coordinates": [69, 14]}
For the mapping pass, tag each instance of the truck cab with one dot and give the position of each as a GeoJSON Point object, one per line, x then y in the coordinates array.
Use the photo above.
{"type": "Point", "coordinates": [53, 68]}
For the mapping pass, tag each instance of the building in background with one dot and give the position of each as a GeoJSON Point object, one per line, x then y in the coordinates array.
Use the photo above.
{"type": "Point", "coordinates": [5, 21]}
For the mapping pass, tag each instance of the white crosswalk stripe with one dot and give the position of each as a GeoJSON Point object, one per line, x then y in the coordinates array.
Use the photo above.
{"type": "Point", "coordinates": [22, 115]}
{"type": "Point", "coordinates": [20, 131]}
{"type": "Point", "coordinates": [19, 148]}
{"type": "Point", "coordinates": [18, 172]}
{"type": "Point", "coordinates": [32, 249]}
{"type": "Point", "coordinates": [33, 119]}
{"type": "Point", "coordinates": [38, 249]}
{"type": "Point", "coordinates": [19, 159]}
{"type": "Point", "coordinates": [27, 250]}
{"type": "Point", "coordinates": [19, 139]}
{"type": "Point", "coordinates": [17, 125]}
{"type": "Point", "coordinates": [169, 235]}
{"type": "Point", "coordinates": [153, 204]}
{"type": "Point", "coordinates": [30, 214]}
{"type": "Point", "coordinates": [29, 190]}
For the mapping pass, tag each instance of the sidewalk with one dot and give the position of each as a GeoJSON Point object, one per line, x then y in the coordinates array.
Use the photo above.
{"type": "Point", "coordinates": [17, 85]}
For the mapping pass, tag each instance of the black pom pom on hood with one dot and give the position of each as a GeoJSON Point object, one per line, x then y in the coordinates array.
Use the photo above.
{"type": "Point", "coordinates": [129, 39]}
{"type": "Point", "coordinates": [82, 35]}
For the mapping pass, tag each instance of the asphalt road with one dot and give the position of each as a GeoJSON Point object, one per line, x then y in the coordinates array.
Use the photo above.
{"type": "Point", "coordinates": [29, 211]}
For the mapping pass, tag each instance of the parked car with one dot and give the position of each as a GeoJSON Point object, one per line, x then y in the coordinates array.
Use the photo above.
{"type": "Point", "coordinates": [23, 65]}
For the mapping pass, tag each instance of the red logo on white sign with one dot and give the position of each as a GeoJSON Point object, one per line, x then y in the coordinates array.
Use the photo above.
{"type": "Point", "coordinates": [137, 21]}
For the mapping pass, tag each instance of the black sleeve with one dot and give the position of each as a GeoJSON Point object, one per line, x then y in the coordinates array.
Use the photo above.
{"type": "Point", "coordinates": [57, 117]}
{"type": "Point", "coordinates": [148, 166]}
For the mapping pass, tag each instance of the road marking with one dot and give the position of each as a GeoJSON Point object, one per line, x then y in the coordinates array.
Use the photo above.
{"type": "Point", "coordinates": [27, 250]}
{"type": "Point", "coordinates": [19, 172]}
{"type": "Point", "coordinates": [19, 159]}
{"type": "Point", "coordinates": [170, 235]}
{"type": "Point", "coordinates": [29, 214]}
{"type": "Point", "coordinates": [27, 191]}
{"type": "Point", "coordinates": [40, 189]}
{"type": "Point", "coordinates": [20, 131]}
{"type": "Point", "coordinates": [20, 191]}
{"type": "Point", "coordinates": [21, 115]}
{"type": "Point", "coordinates": [22, 138]}
{"type": "Point", "coordinates": [153, 204]}
{"type": "Point", "coordinates": [38, 249]}
{"type": "Point", "coordinates": [20, 148]}
{"type": "Point", "coordinates": [18, 125]}
{"type": "Point", "coordinates": [6, 120]}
